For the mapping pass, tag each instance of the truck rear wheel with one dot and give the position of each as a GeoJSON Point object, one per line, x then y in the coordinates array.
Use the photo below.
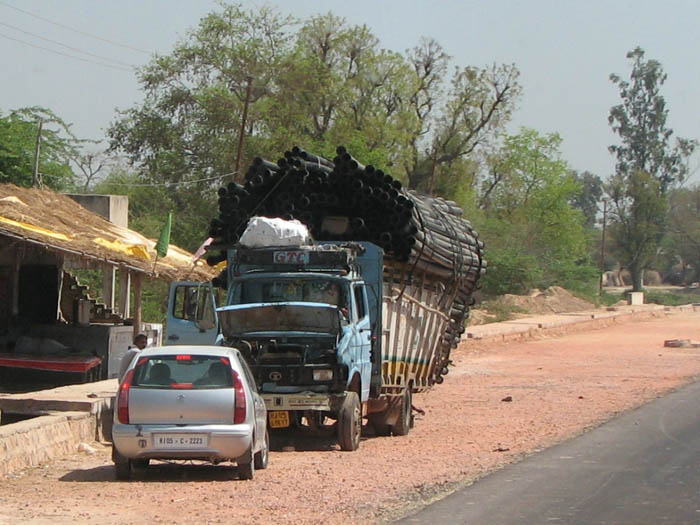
{"type": "Point", "coordinates": [350, 423]}
{"type": "Point", "coordinates": [381, 427]}
{"type": "Point", "coordinates": [403, 423]}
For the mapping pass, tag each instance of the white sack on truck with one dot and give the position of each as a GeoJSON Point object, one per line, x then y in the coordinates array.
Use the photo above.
{"type": "Point", "coordinates": [263, 231]}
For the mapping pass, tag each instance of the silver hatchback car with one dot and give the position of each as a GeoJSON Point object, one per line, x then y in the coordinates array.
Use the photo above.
{"type": "Point", "coordinates": [189, 402]}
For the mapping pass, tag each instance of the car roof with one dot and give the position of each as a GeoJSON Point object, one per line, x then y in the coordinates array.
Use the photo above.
{"type": "Point", "coordinates": [188, 349]}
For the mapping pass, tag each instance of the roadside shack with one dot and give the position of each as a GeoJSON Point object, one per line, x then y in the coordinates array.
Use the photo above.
{"type": "Point", "coordinates": [48, 321]}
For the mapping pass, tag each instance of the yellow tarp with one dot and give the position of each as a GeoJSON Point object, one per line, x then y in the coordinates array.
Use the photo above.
{"type": "Point", "coordinates": [35, 229]}
{"type": "Point", "coordinates": [136, 250]}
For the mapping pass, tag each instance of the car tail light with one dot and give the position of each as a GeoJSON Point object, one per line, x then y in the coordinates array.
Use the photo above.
{"type": "Point", "coordinates": [239, 411]}
{"type": "Point", "coordinates": [123, 401]}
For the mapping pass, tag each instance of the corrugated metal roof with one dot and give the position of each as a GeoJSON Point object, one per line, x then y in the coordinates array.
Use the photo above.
{"type": "Point", "coordinates": [58, 222]}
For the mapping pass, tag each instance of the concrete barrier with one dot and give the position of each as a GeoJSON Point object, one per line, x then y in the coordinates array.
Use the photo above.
{"type": "Point", "coordinates": [34, 441]}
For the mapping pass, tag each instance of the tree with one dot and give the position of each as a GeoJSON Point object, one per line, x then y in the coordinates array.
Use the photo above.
{"type": "Point", "coordinates": [18, 135]}
{"type": "Point", "coordinates": [588, 199]}
{"type": "Point", "coordinates": [646, 163]}
{"type": "Point", "coordinates": [476, 107]}
{"type": "Point", "coordinates": [683, 231]}
{"type": "Point", "coordinates": [639, 210]}
{"type": "Point", "coordinates": [533, 233]}
{"type": "Point", "coordinates": [316, 84]}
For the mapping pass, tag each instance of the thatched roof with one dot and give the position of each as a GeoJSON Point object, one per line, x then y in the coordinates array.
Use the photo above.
{"type": "Point", "coordinates": [58, 222]}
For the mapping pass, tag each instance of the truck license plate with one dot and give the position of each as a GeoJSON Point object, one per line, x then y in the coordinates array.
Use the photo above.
{"type": "Point", "coordinates": [180, 440]}
{"type": "Point", "coordinates": [279, 418]}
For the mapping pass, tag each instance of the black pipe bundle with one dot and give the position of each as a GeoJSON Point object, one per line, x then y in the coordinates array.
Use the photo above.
{"type": "Point", "coordinates": [343, 199]}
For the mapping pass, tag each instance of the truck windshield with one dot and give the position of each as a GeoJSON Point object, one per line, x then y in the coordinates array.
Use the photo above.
{"type": "Point", "coordinates": [325, 291]}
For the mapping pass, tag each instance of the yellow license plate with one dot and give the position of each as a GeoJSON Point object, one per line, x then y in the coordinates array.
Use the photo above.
{"type": "Point", "coordinates": [278, 418]}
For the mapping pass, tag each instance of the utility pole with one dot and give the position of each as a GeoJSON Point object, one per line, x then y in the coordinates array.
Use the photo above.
{"type": "Point", "coordinates": [36, 179]}
{"type": "Point", "coordinates": [602, 247]}
{"type": "Point", "coordinates": [239, 154]}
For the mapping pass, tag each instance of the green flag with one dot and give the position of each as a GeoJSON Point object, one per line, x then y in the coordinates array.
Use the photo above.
{"type": "Point", "coordinates": [164, 239]}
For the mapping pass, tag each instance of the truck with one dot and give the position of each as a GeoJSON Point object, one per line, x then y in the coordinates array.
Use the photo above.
{"type": "Point", "coordinates": [337, 331]}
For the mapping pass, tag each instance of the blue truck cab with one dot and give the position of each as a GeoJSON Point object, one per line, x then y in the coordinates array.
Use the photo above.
{"type": "Point", "coordinates": [308, 321]}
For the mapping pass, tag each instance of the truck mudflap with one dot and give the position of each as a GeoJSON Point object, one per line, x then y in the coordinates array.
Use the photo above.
{"type": "Point", "coordinates": [303, 401]}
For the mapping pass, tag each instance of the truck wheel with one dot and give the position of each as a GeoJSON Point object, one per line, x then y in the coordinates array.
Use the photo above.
{"type": "Point", "coordinates": [350, 423]}
{"type": "Point", "coordinates": [403, 423]}
{"type": "Point", "coordinates": [378, 421]}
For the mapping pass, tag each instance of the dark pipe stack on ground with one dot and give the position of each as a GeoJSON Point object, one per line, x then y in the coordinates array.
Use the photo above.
{"type": "Point", "coordinates": [426, 242]}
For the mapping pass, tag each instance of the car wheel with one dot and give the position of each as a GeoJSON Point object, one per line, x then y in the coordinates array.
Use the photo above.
{"type": "Point", "coordinates": [246, 465]}
{"type": "Point", "coordinates": [403, 424]}
{"type": "Point", "coordinates": [262, 456]}
{"type": "Point", "coordinates": [139, 466]}
{"type": "Point", "coordinates": [122, 470]}
{"type": "Point", "coordinates": [350, 422]}
{"type": "Point", "coordinates": [122, 465]}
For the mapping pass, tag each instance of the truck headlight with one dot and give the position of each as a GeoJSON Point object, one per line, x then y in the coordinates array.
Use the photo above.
{"type": "Point", "coordinates": [323, 375]}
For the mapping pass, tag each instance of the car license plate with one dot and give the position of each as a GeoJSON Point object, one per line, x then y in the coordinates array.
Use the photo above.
{"type": "Point", "coordinates": [180, 440]}
{"type": "Point", "coordinates": [279, 418]}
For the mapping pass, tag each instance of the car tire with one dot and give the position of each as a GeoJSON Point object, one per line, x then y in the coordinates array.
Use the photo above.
{"type": "Point", "coordinates": [122, 465]}
{"type": "Point", "coordinates": [122, 470]}
{"type": "Point", "coordinates": [262, 456]}
{"type": "Point", "coordinates": [246, 465]}
{"type": "Point", "coordinates": [403, 423]}
{"type": "Point", "coordinates": [350, 422]}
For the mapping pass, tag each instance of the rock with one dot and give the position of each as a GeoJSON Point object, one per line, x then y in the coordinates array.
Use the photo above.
{"type": "Point", "coordinates": [84, 447]}
{"type": "Point", "coordinates": [507, 399]}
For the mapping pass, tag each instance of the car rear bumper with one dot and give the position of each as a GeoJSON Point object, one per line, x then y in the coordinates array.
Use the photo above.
{"type": "Point", "coordinates": [222, 443]}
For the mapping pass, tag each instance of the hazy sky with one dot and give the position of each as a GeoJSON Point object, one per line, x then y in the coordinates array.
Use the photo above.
{"type": "Point", "coordinates": [565, 51]}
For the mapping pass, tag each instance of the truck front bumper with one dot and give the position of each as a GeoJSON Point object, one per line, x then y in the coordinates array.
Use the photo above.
{"type": "Point", "coordinates": [303, 401]}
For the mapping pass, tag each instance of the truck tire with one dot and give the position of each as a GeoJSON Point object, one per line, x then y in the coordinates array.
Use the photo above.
{"type": "Point", "coordinates": [350, 423]}
{"type": "Point", "coordinates": [403, 423]}
{"type": "Point", "coordinates": [381, 427]}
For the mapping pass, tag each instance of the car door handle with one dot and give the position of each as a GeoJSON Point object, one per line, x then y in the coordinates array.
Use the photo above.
{"type": "Point", "coordinates": [173, 337]}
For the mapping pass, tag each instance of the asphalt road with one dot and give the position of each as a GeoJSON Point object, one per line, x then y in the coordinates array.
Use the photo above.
{"type": "Point", "coordinates": [643, 467]}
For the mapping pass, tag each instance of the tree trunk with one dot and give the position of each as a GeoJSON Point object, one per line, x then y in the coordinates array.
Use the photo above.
{"type": "Point", "coordinates": [637, 275]}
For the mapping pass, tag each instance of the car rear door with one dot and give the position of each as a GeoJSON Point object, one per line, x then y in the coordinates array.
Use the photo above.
{"type": "Point", "coordinates": [191, 317]}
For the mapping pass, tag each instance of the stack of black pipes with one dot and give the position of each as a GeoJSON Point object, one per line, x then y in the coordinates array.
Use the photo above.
{"type": "Point", "coordinates": [418, 233]}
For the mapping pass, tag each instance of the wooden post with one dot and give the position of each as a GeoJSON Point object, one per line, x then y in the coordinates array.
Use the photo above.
{"type": "Point", "coordinates": [108, 274]}
{"type": "Point", "coordinates": [124, 289]}
{"type": "Point", "coordinates": [138, 279]}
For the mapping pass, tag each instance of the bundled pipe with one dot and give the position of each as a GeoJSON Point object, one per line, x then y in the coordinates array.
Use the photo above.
{"type": "Point", "coordinates": [419, 234]}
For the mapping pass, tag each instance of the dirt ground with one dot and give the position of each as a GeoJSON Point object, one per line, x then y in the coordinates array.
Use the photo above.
{"type": "Point", "coordinates": [558, 388]}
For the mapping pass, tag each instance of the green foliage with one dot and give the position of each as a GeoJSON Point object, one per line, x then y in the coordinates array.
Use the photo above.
{"type": "Point", "coordinates": [534, 237]}
{"type": "Point", "coordinates": [672, 297]}
{"type": "Point", "coordinates": [510, 270]}
{"type": "Point", "coordinates": [500, 312]}
{"type": "Point", "coordinates": [18, 134]}
{"type": "Point", "coordinates": [638, 217]}
{"type": "Point", "coordinates": [589, 197]}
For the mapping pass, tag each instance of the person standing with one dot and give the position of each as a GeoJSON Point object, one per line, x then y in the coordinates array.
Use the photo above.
{"type": "Point", "coordinates": [140, 342]}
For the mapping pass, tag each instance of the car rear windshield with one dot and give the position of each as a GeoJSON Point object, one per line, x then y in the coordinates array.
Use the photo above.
{"type": "Point", "coordinates": [183, 371]}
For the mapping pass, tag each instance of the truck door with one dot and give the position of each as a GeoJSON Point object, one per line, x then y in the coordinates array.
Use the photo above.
{"type": "Point", "coordinates": [191, 317]}
{"type": "Point", "coordinates": [362, 337]}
